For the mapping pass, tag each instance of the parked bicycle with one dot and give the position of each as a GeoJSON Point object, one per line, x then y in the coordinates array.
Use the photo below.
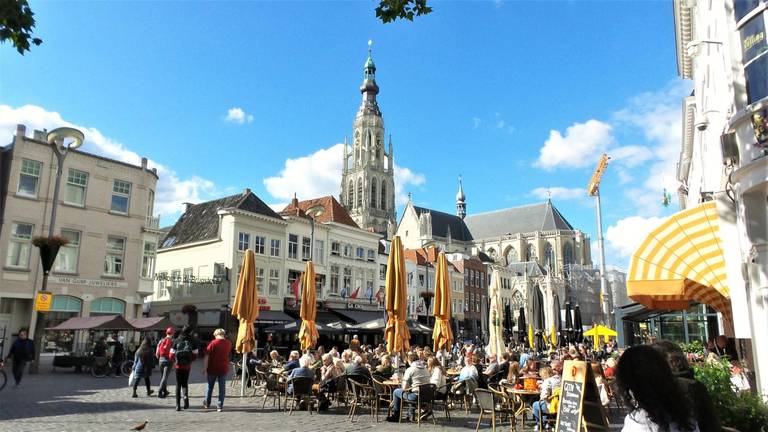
{"type": "Point", "coordinates": [103, 366]}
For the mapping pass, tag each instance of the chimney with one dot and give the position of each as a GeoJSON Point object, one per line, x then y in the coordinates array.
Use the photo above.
{"type": "Point", "coordinates": [21, 131]}
{"type": "Point", "coordinates": [144, 163]}
{"type": "Point", "coordinates": [187, 206]}
{"type": "Point", "coordinates": [40, 135]}
{"type": "Point", "coordinates": [246, 191]}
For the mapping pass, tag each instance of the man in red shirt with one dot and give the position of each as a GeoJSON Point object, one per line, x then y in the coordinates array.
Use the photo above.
{"type": "Point", "coordinates": [216, 367]}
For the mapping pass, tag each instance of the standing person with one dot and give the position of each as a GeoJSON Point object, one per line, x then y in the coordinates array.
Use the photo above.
{"type": "Point", "coordinates": [183, 352]}
{"type": "Point", "coordinates": [216, 367]}
{"type": "Point", "coordinates": [163, 355]}
{"type": "Point", "coordinates": [118, 354]}
{"type": "Point", "coordinates": [656, 400]}
{"type": "Point", "coordinates": [143, 363]}
{"type": "Point", "coordinates": [22, 351]}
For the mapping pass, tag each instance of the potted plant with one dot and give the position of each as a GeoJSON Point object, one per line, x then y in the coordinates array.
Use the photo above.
{"type": "Point", "coordinates": [49, 248]}
{"type": "Point", "coordinates": [738, 410]}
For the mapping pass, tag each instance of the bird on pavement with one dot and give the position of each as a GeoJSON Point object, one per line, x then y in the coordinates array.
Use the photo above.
{"type": "Point", "coordinates": [140, 426]}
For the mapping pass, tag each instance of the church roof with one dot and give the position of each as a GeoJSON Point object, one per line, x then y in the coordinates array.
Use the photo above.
{"type": "Point", "coordinates": [442, 222]}
{"type": "Point", "coordinates": [530, 268]}
{"type": "Point", "coordinates": [334, 211]}
{"type": "Point", "coordinates": [201, 221]}
{"type": "Point", "coordinates": [524, 219]}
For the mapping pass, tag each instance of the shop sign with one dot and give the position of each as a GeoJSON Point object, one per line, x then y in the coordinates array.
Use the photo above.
{"type": "Point", "coordinates": [93, 283]}
{"type": "Point", "coordinates": [753, 40]}
{"type": "Point", "coordinates": [43, 301]}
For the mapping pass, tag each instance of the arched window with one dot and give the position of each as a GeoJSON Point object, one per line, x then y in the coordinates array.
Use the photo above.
{"type": "Point", "coordinates": [568, 253]}
{"type": "Point", "coordinates": [360, 193]}
{"type": "Point", "coordinates": [530, 252]}
{"type": "Point", "coordinates": [550, 259]}
{"type": "Point", "coordinates": [517, 301]}
{"type": "Point", "coordinates": [511, 255]}
{"type": "Point", "coordinates": [373, 194]}
{"type": "Point", "coordinates": [383, 195]}
{"type": "Point", "coordinates": [107, 306]}
{"type": "Point", "coordinates": [351, 194]}
{"type": "Point", "coordinates": [65, 303]}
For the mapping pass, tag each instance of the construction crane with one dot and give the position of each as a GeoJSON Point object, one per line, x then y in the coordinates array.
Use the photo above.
{"type": "Point", "coordinates": [593, 189]}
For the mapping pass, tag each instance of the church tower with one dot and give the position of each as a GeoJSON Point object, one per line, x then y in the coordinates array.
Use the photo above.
{"type": "Point", "coordinates": [461, 201]}
{"type": "Point", "coordinates": [368, 180]}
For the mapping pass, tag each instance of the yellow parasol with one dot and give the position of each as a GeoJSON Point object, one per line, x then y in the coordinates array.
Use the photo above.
{"type": "Point", "coordinates": [308, 333]}
{"type": "Point", "coordinates": [442, 334]}
{"type": "Point", "coordinates": [246, 308]}
{"type": "Point", "coordinates": [599, 330]}
{"type": "Point", "coordinates": [396, 333]}
{"type": "Point", "coordinates": [495, 316]}
{"type": "Point", "coordinates": [531, 343]}
{"type": "Point", "coordinates": [553, 337]}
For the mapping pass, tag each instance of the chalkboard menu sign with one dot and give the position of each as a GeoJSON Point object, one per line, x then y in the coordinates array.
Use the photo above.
{"type": "Point", "coordinates": [580, 407]}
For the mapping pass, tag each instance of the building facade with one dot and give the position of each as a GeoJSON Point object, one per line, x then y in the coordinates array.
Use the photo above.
{"type": "Point", "coordinates": [722, 48]}
{"type": "Point", "coordinates": [368, 179]}
{"type": "Point", "coordinates": [475, 284]}
{"type": "Point", "coordinates": [421, 267]}
{"type": "Point", "coordinates": [105, 210]}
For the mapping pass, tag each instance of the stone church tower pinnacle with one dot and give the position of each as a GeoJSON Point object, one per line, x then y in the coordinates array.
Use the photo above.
{"type": "Point", "coordinates": [367, 180]}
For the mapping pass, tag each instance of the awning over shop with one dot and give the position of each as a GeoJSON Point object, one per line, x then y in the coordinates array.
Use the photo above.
{"type": "Point", "coordinates": [273, 317]}
{"type": "Point", "coordinates": [358, 316]}
{"type": "Point", "coordinates": [150, 323]}
{"type": "Point", "coordinates": [682, 261]}
{"type": "Point", "coordinates": [107, 322]}
{"type": "Point", "coordinates": [636, 312]}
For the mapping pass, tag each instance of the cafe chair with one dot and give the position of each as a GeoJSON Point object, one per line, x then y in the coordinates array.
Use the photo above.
{"type": "Point", "coordinates": [487, 401]}
{"type": "Point", "coordinates": [301, 392]}
{"type": "Point", "coordinates": [461, 392]}
{"type": "Point", "coordinates": [362, 395]}
{"type": "Point", "coordinates": [382, 395]}
{"type": "Point", "coordinates": [442, 397]}
{"type": "Point", "coordinates": [425, 397]}
{"type": "Point", "coordinates": [272, 388]}
{"type": "Point", "coordinates": [505, 405]}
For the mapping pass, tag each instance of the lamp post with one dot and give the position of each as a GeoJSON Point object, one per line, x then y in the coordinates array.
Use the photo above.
{"type": "Point", "coordinates": [61, 140]}
{"type": "Point", "coordinates": [313, 212]}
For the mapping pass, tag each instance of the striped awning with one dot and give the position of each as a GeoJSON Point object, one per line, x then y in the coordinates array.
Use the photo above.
{"type": "Point", "coordinates": [682, 261]}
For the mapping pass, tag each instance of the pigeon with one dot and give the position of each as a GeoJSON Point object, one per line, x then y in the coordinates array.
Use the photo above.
{"type": "Point", "coordinates": [140, 426]}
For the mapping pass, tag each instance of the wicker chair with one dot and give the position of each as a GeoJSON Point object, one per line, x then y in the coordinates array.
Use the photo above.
{"type": "Point", "coordinates": [301, 391]}
{"type": "Point", "coordinates": [362, 395]}
{"type": "Point", "coordinates": [487, 401]}
{"type": "Point", "coordinates": [425, 398]}
{"type": "Point", "coordinates": [273, 388]}
{"type": "Point", "coordinates": [382, 394]}
{"type": "Point", "coordinates": [442, 398]}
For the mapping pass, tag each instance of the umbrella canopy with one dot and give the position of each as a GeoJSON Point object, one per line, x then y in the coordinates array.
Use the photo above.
{"type": "Point", "coordinates": [599, 330]}
{"type": "Point", "coordinates": [379, 324]}
{"type": "Point", "coordinates": [521, 326]}
{"type": "Point", "coordinates": [150, 323]}
{"type": "Point", "coordinates": [568, 330]}
{"type": "Point", "coordinates": [578, 328]}
{"type": "Point", "coordinates": [557, 328]}
{"type": "Point", "coordinates": [396, 333]}
{"type": "Point", "coordinates": [530, 337]}
{"type": "Point", "coordinates": [107, 322]}
{"type": "Point", "coordinates": [308, 334]}
{"type": "Point", "coordinates": [442, 335]}
{"type": "Point", "coordinates": [246, 307]}
{"type": "Point", "coordinates": [495, 316]}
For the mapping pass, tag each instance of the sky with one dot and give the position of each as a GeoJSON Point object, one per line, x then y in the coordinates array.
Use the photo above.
{"type": "Point", "coordinates": [519, 98]}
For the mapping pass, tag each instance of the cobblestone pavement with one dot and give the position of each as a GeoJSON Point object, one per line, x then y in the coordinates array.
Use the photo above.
{"type": "Point", "coordinates": [65, 401]}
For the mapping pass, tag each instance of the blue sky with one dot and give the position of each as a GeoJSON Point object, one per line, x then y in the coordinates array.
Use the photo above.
{"type": "Point", "coordinates": [517, 97]}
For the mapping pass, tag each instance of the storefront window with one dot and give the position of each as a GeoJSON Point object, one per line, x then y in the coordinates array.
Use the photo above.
{"type": "Point", "coordinates": [743, 7]}
{"type": "Point", "coordinates": [754, 74]}
{"type": "Point", "coordinates": [62, 308]}
{"type": "Point", "coordinates": [107, 306]}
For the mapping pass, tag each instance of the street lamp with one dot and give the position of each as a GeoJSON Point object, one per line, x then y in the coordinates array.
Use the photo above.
{"type": "Point", "coordinates": [313, 212]}
{"type": "Point", "coordinates": [61, 140]}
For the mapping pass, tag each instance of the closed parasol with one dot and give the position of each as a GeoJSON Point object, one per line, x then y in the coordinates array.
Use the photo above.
{"type": "Point", "coordinates": [442, 335]}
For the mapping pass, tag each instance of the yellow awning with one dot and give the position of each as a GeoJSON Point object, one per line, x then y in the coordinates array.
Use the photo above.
{"type": "Point", "coordinates": [681, 261]}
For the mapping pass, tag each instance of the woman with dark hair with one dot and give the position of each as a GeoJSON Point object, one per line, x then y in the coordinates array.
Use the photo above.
{"type": "Point", "coordinates": [657, 402]}
{"type": "Point", "coordinates": [183, 353]}
{"type": "Point", "coordinates": [143, 363]}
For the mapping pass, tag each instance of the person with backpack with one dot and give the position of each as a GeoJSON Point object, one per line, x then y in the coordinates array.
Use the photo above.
{"type": "Point", "coordinates": [163, 354]}
{"type": "Point", "coordinates": [143, 363]}
{"type": "Point", "coordinates": [183, 352]}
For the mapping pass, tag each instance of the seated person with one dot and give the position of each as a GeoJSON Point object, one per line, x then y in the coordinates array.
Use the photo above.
{"type": "Point", "coordinates": [551, 377]}
{"type": "Point", "coordinates": [302, 371]}
{"type": "Point", "coordinates": [504, 365]}
{"type": "Point", "coordinates": [469, 371]}
{"type": "Point", "coordinates": [275, 360]}
{"type": "Point", "coordinates": [357, 367]}
{"type": "Point", "coordinates": [437, 375]}
{"type": "Point", "coordinates": [385, 368]}
{"type": "Point", "coordinates": [493, 366]}
{"type": "Point", "coordinates": [293, 361]}
{"type": "Point", "coordinates": [415, 375]}
{"type": "Point", "coordinates": [328, 373]}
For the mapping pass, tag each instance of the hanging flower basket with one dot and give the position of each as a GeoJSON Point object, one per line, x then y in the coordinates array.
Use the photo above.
{"type": "Point", "coordinates": [49, 248]}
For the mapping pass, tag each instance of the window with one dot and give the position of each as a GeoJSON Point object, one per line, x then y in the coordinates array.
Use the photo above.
{"type": "Point", "coordinates": [74, 192]}
{"type": "Point", "coordinates": [162, 277]}
{"type": "Point", "coordinates": [113, 260]}
{"type": "Point", "coordinates": [243, 241]}
{"type": "Point", "coordinates": [335, 248]}
{"type": "Point", "coordinates": [334, 279]}
{"type": "Point", "coordinates": [259, 244]}
{"type": "Point", "coordinates": [121, 195]}
{"type": "Point", "coordinates": [19, 246]}
{"type": "Point", "coordinates": [66, 260]}
{"type": "Point", "coordinates": [274, 247]}
{"type": "Point", "coordinates": [550, 260]}
{"type": "Point", "coordinates": [383, 200]}
{"type": "Point", "coordinates": [360, 253]}
{"type": "Point", "coordinates": [359, 193]}
{"type": "Point", "coordinates": [347, 251]}
{"type": "Point", "coordinates": [29, 177]}
{"type": "Point", "coordinates": [148, 260]}
{"type": "Point", "coordinates": [351, 194]}
{"type": "Point", "coordinates": [371, 255]}
{"type": "Point", "coordinates": [107, 306]}
{"type": "Point", "coordinates": [369, 285]}
{"type": "Point", "coordinates": [347, 280]}
{"type": "Point", "coordinates": [188, 278]}
{"type": "Point", "coordinates": [260, 280]}
{"type": "Point", "coordinates": [274, 281]}
{"type": "Point", "coordinates": [373, 194]}
{"type": "Point", "coordinates": [319, 252]}
{"type": "Point", "coordinates": [150, 203]}
{"type": "Point", "coordinates": [306, 248]}
{"type": "Point", "coordinates": [293, 246]}
{"type": "Point", "coordinates": [421, 280]}
{"type": "Point", "coordinates": [382, 271]}
{"type": "Point", "coordinates": [292, 276]}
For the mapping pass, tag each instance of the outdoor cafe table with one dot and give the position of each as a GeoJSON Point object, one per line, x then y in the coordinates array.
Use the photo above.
{"type": "Point", "coordinates": [526, 396]}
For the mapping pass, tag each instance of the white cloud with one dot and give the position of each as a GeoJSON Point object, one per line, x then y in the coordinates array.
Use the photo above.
{"type": "Point", "coordinates": [319, 174]}
{"type": "Point", "coordinates": [580, 147]}
{"type": "Point", "coordinates": [238, 116]}
{"type": "Point", "coordinates": [626, 234]}
{"type": "Point", "coordinates": [631, 155]}
{"type": "Point", "coordinates": [172, 190]}
{"type": "Point", "coordinates": [562, 193]}
{"type": "Point", "coordinates": [476, 122]}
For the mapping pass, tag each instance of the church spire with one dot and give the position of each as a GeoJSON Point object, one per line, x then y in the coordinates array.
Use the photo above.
{"type": "Point", "coordinates": [369, 88]}
{"type": "Point", "coordinates": [461, 201]}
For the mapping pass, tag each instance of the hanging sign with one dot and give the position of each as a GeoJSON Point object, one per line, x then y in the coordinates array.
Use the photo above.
{"type": "Point", "coordinates": [580, 407]}
{"type": "Point", "coordinates": [43, 301]}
